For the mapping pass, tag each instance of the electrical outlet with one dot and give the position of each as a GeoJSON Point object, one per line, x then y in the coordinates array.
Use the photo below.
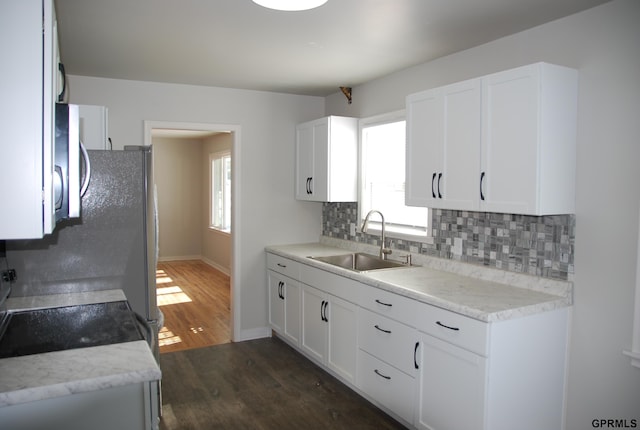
{"type": "Point", "coordinates": [9, 275]}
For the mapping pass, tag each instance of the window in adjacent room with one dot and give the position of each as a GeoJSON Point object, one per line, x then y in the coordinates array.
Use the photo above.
{"type": "Point", "coordinates": [382, 178]}
{"type": "Point", "coordinates": [220, 164]}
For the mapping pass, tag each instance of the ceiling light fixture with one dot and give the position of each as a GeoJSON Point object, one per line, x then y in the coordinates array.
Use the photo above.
{"type": "Point", "coordinates": [290, 5]}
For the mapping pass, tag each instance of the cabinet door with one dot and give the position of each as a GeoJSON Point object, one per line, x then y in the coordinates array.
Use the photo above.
{"type": "Point", "coordinates": [292, 311]}
{"type": "Point", "coordinates": [284, 306]}
{"type": "Point", "coordinates": [452, 387]}
{"type": "Point", "coordinates": [342, 341]}
{"type": "Point", "coordinates": [26, 137]}
{"type": "Point", "coordinates": [314, 326]}
{"type": "Point", "coordinates": [424, 148]}
{"type": "Point", "coordinates": [443, 150]}
{"type": "Point", "coordinates": [276, 301]}
{"type": "Point", "coordinates": [459, 186]}
{"type": "Point", "coordinates": [304, 161]}
{"type": "Point", "coordinates": [319, 184]}
{"type": "Point", "coordinates": [511, 112]}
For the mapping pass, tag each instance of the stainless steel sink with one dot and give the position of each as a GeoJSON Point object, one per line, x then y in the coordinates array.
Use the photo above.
{"type": "Point", "coordinates": [359, 262]}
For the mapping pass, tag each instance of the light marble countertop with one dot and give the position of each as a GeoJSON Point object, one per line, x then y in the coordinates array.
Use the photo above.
{"type": "Point", "coordinates": [53, 374]}
{"type": "Point", "coordinates": [481, 293]}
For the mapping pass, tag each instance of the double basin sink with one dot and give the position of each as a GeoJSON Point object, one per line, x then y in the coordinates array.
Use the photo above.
{"type": "Point", "coordinates": [360, 262]}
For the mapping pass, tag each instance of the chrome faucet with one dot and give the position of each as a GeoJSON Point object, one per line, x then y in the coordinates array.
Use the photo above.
{"type": "Point", "coordinates": [383, 251]}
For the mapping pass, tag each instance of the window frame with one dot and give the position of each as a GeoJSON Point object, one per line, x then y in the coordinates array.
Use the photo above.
{"type": "Point", "coordinates": [213, 156]}
{"type": "Point", "coordinates": [375, 225]}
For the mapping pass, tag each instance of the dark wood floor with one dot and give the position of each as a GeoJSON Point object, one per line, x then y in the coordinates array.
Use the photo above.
{"type": "Point", "coordinates": [260, 384]}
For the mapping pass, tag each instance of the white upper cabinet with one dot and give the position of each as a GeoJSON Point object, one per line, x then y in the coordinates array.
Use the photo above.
{"type": "Point", "coordinates": [505, 142]}
{"type": "Point", "coordinates": [444, 151]}
{"type": "Point", "coordinates": [327, 160]}
{"type": "Point", "coordinates": [529, 140]}
{"type": "Point", "coordinates": [28, 85]}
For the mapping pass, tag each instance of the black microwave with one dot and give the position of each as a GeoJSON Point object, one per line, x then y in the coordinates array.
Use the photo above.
{"type": "Point", "coordinates": [67, 164]}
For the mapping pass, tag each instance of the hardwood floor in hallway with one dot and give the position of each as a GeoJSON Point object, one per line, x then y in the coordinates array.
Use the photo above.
{"type": "Point", "coordinates": [195, 300]}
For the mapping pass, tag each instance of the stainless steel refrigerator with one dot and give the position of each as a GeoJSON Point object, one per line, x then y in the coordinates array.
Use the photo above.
{"type": "Point", "coordinates": [112, 245]}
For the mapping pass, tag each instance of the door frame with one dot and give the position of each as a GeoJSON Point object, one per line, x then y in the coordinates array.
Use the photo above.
{"type": "Point", "coordinates": [235, 202]}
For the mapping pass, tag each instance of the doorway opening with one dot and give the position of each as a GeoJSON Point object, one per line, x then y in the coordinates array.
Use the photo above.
{"type": "Point", "coordinates": [194, 271]}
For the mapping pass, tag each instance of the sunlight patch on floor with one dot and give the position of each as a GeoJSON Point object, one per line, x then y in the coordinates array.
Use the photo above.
{"type": "Point", "coordinates": [167, 337]}
{"type": "Point", "coordinates": [172, 295]}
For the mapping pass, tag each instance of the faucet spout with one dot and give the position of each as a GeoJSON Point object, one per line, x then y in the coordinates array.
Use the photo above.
{"type": "Point", "coordinates": [383, 251]}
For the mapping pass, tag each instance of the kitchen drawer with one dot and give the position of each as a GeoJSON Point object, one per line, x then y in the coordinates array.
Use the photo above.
{"type": "Point", "coordinates": [388, 340]}
{"type": "Point", "coordinates": [336, 285]}
{"type": "Point", "coordinates": [392, 305]}
{"type": "Point", "coordinates": [386, 385]}
{"type": "Point", "coordinates": [283, 265]}
{"type": "Point", "coordinates": [456, 329]}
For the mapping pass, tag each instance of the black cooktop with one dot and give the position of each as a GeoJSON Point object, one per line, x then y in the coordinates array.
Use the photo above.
{"type": "Point", "coordinates": [69, 327]}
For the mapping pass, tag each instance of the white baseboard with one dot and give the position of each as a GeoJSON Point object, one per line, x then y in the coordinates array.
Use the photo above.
{"type": "Point", "coordinates": [179, 258]}
{"type": "Point", "coordinates": [254, 333]}
{"type": "Point", "coordinates": [216, 266]}
{"type": "Point", "coordinates": [205, 260]}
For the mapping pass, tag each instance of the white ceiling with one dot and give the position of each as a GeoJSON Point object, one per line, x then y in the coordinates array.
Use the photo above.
{"type": "Point", "coordinates": [238, 44]}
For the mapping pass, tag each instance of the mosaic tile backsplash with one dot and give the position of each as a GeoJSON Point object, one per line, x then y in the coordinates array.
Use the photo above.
{"type": "Point", "coordinates": [536, 245]}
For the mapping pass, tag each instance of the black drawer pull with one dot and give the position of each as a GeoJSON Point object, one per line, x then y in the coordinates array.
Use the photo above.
{"type": "Point", "coordinates": [415, 356]}
{"type": "Point", "coordinates": [383, 303]}
{"type": "Point", "coordinates": [282, 265]}
{"type": "Point", "coordinates": [446, 326]}
{"type": "Point", "coordinates": [381, 375]}
{"type": "Point", "coordinates": [382, 330]}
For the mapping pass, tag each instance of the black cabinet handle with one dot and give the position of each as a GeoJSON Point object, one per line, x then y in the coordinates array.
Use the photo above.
{"type": "Point", "coordinates": [281, 290]}
{"type": "Point", "coordinates": [481, 181]}
{"type": "Point", "coordinates": [282, 265]}
{"type": "Point", "coordinates": [323, 311]}
{"type": "Point", "coordinates": [415, 356]}
{"type": "Point", "coordinates": [64, 83]}
{"type": "Point", "coordinates": [383, 303]}
{"type": "Point", "coordinates": [439, 193]}
{"type": "Point", "coordinates": [382, 330]}
{"type": "Point", "coordinates": [381, 375]}
{"type": "Point", "coordinates": [310, 185]}
{"type": "Point", "coordinates": [433, 180]}
{"type": "Point", "coordinates": [446, 326]}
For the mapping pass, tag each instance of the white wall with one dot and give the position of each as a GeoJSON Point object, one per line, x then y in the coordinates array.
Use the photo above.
{"type": "Point", "coordinates": [180, 180]}
{"type": "Point", "coordinates": [267, 212]}
{"type": "Point", "coordinates": [604, 45]}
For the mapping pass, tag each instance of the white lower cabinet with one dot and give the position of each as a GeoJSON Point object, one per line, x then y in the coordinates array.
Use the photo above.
{"type": "Point", "coordinates": [284, 306]}
{"type": "Point", "coordinates": [515, 381]}
{"type": "Point", "coordinates": [452, 387]}
{"type": "Point", "coordinates": [388, 386]}
{"type": "Point", "coordinates": [388, 363]}
{"type": "Point", "coordinates": [430, 368]}
{"type": "Point", "coordinates": [329, 333]}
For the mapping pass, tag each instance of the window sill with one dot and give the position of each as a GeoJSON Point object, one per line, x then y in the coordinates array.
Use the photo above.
{"type": "Point", "coordinates": [220, 231]}
{"type": "Point", "coordinates": [395, 232]}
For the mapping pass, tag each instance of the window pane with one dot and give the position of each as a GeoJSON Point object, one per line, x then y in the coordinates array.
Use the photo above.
{"type": "Point", "coordinates": [221, 191]}
{"type": "Point", "coordinates": [383, 175]}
